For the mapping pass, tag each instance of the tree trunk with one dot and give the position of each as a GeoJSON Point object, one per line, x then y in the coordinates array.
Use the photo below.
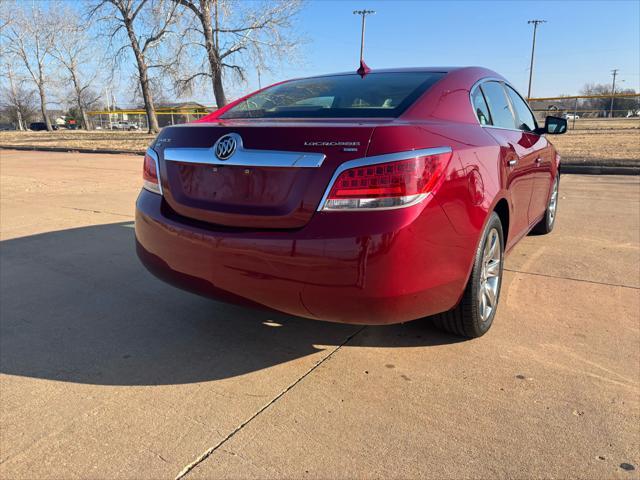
{"type": "Point", "coordinates": [215, 68]}
{"type": "Point", "coordinates": [152, 120]}
{"type": "Point", "coordinates": [43, 106]}
{"type": "Point", "coordinates": [21, 125]}
{"type": "Point", "coordinates": [218, 88]}
{"type": "Point", "coordinates": [85, 118]}
{"type": "Point", "coordinates": [76, 85]}
{"type": "Point", "coordinates": [83, 114]}
{"type": "Point", "coordinates": [16, 102]}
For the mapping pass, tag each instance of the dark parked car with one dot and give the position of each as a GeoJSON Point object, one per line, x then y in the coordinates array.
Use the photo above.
{"type": "Point", "coordinates": [39, 126]}
{"type": "Point", "coordinates": [366, 199]}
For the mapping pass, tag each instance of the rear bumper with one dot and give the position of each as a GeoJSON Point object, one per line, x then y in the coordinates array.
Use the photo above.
{"type": "Point", "coordinates": [354, 267]}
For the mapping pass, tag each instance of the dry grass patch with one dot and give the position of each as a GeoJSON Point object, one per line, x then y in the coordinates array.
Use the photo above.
{"type": "Point", "coordinates": [605, 124]}
{"type": "Point", "coordinates": [600, 140]}
{"type": "Point", "coordinates": [98, 139]}
{"type": "Point", "coordinates": [592, 140]}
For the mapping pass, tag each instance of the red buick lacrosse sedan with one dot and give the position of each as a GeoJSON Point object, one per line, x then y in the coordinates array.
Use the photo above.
{"type": "Point", "coordinates": [366, 199]}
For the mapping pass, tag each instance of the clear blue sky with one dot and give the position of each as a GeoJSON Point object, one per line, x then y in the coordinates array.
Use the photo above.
{"type": "Point", "coordinates": [582, 41]}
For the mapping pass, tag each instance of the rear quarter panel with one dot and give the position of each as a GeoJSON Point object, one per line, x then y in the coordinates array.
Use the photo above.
{"type": "Point", "coordinates": [473, 180]}
{"type": "Point", "coordinates": [473, 186]}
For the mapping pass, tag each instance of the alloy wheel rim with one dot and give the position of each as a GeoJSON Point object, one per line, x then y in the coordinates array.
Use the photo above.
{"type": "Point", "coordinates": [553, 202]}
{"type": "Point", "coordinates": [490, 275]}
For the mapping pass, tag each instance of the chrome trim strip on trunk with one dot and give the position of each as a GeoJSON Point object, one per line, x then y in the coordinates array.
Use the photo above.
{"type": "Point", "coordinates": [389, 157]}
{"type": "Point", "coordinates": [245, 157]}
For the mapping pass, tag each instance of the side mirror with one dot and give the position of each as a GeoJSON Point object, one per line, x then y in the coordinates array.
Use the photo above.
{"type": "Point", "coordinates": [553, 125]}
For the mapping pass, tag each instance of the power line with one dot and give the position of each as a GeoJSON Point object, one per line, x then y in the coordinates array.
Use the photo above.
{"type": "Point", "coordinates": [533, 49]}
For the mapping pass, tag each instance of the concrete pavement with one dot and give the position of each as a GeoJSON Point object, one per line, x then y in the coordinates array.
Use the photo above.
{"type": "Point", "coordinates": [105, 372]}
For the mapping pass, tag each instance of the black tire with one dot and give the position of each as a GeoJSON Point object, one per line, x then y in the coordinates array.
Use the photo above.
{"type": "Point", "coordinates": [545, 225]}
{"type": "Point", "coordinates": [466, 319]}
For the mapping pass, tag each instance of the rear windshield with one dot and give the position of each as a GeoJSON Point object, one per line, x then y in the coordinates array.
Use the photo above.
{"type": "Point", "coordinates": [338, 96]}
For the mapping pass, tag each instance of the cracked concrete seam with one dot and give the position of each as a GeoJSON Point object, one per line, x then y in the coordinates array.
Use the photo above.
{"type": "Point", "coordinates": [188, 468]}
{"type": "Point", "coordinates": [595, 282]}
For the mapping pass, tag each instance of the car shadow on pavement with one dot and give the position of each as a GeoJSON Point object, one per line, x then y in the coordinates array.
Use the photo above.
{"type": "Point", "coordinates": [77, 306]}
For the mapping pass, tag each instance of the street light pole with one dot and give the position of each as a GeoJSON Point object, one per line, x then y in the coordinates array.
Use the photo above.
{"type": "Point", "coordinates": [614, 72]}
{"type": "Point", "coordinates": [364, 14]}
{"type": "Point", "coordinates": [533, 49]}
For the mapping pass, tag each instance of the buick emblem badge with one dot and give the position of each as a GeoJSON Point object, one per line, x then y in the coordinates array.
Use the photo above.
{"type": "Point", "coordinates": [225, 147]}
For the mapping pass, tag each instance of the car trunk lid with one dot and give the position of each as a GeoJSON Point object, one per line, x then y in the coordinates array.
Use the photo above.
{"type": "Point", "coordinates": [275, 178]}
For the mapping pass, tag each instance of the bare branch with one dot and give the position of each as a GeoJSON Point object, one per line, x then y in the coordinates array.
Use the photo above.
{"type": "Point", "coordinates": [30, 37]}
{"type": "Point", "coordinates": [239, 35]}
{"type": "Point", "coordinates": [141, 27]}
{"type": "Point", "coordinates": [137, 10]}
{"type": "Point", "coordinates": [191, 6]}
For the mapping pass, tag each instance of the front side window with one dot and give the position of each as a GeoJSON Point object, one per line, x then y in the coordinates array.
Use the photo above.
{"type": "Point", "coordinates": [525, 119]}
{"type": "Point", "coordinates": [480, 107]}
{"type": "Point", "coordinates": [385, 94]}
{"type": "Point", "coordinates": [499, 107]}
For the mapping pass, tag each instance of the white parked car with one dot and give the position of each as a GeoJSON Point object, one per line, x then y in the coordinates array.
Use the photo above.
{"type": "Point", "coordinates": [571, 116]}
{"type": "Point", "coordinates": [124, 125]}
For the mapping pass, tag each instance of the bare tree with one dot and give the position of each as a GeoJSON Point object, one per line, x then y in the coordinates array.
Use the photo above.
{"type": "Point", "coordinates": [600, 106]}
{"type": "Point", "coordinates": [13, 99]}
{"type": "Point", "coordinates": [5, 16]}
{"type": "Point", "coordinates": [235, 34]}
{"type": "Point", "coordinates": [75, 53]}
{"type": "Point", "coordinates": [144, 24]}
{"type": "Point", "coordinates": [29, 36]}
{"type": "Point", "coordinates": [18, 102]}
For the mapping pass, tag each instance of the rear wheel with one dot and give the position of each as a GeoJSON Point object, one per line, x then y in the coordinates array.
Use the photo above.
{"type": "Point", "coordinates": [545, 225]}
{"type": "Point", "coordinates": [474, 314]}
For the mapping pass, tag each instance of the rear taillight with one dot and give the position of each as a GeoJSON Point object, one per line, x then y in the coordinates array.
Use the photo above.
{"type": "Point", "coordinates": [388, 184]}
{"type": "Point", "coordinates": [150, 173]}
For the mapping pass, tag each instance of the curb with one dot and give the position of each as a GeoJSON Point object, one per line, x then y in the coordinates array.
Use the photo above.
{"type": "Point", "coordinates": [586, 169]}
{"type": "Point", "coordinates": [72, 150]}
{"type": "Point", "coordinates": [582, 169]}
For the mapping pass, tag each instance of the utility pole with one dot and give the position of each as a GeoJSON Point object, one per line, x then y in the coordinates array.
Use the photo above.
{"type": "Point", "coordinates": [614, 72]}
{"type": "Point", "coordinates": [533, 49]}
{"type": "Point", "coordinates": [363, 13]}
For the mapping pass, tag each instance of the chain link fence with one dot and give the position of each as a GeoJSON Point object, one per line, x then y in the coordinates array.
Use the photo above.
{"type": "Point", "coordinates": [137, 119]}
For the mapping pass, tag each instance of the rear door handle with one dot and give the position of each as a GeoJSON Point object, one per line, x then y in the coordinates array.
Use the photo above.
{"type": "Point", "coordinates": [538, 161]}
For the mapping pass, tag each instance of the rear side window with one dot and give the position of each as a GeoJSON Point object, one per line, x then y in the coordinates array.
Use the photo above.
{"type": "Point", "coordinates": [525, 119]}
{"type": "Point", "coordinates": [385, 94]}
{"type": "Point", "coordinates": [480, 107]}
{"type": "Point", "coordinates": [499, 107]}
